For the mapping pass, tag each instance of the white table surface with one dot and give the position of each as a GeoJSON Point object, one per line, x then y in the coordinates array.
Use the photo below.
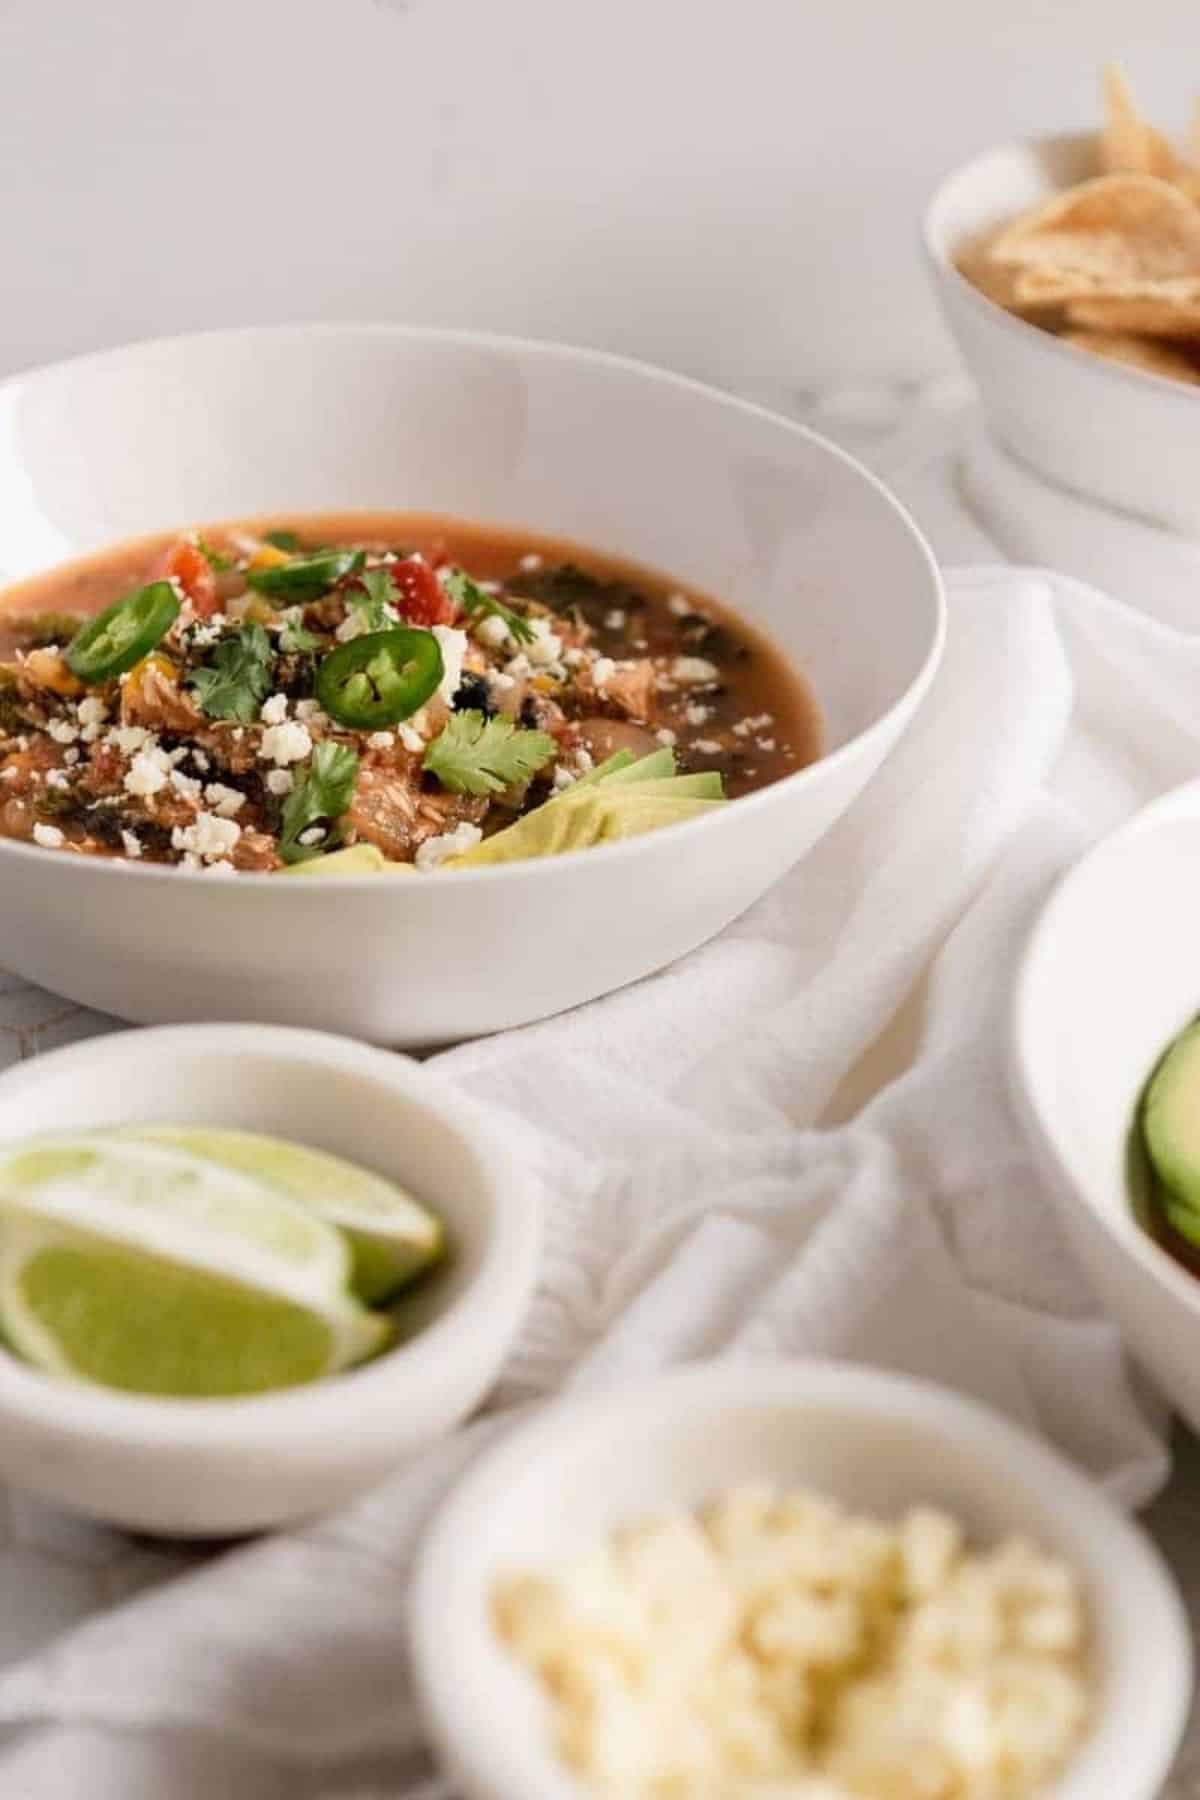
{"type": "Point", "coordinates": [55, 1570]}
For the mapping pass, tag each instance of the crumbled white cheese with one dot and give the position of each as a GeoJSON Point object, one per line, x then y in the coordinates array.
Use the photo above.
{"type": "Point", "coordinates": [128, 738]}
{"type": "Point", "coordinates": [286, 743]}
{"type": "Point", "coordinates": [131, 844]}
{"type": "Point", "coordinates": [519, 667]}
{"type": "Point", "coordinates": [91, 711]}
{"type": "Point", "coordinates": [185, 786]}
{"type": "Point", "coordinates": [312, 836]}
{"type": "Point", "coordinates": [564, 778]}
{"type": "Point", "coordinates": [707, 746]}
{"type": "Point", "coordinates": [220, 868]}
{"type": "Point", "coordinates": [63, 731]}
{"type": "Point", "coordinates": [545, 646]}
{"type": "Point", "coordinates": [680, 605]}
{"type": "Point", "coordinates": [208, 837]}
{"type": "Point", "coordinates": [666, 736]}
{"type": "Point", "coordinates": [697, 715]}
{"type": "Point", "coordinates": [765, 744]}
{"type": "Point", "coordinates": [48, 836]}
{"type": "Point", "coordinates": [224, 801]}
{"type": "Point", "coordinates": [574, 657]}
{"type": "Point", "coordinates": [280, 781]}
{"type": "Point", "coordinates": [200, 761]}
{"type": "Point", "coordinates": [9, 774]}
{"type": "Point", "coordinates": [437, 850]}
{"type": "Point", "coordinates": [492, 630]}
{"type": "Point", "coordinates": [530, 563]}
{"type": "Point", "coordinates": [70, 757]}
{"type": "Point", "coordinates": [694, 669]}
{"type": "Point", "coordinates": [56, 778]}
{"type": "Point", "coordinates": [145, 775]}
{"type": "Point", "coordinates": [603, 670]}
{"type": "Point", "coordinates": [776, 1643]}
{"type": "Point", "coordinates": [382, 740]}
{"type": "Point", "coordinates": [453, 645]}
{"type": "Point", "coordinates": [275, 710]}
{"type": "Point", "coordinates": [309, 711]}
{"type": "Point", "coordinates": [207, 631]}
{"type": "Point", "coordinates": [500, 683]}
{"type": "Point", "coordinates": [353, 625]}
{"type": "Point", "coordinates": [615, 620]}
{"type": "Point", "coordinates": [412, 740]}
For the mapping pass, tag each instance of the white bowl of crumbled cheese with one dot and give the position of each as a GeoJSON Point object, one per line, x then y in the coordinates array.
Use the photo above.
{"type": "Point", "coordinates": [810, 1581]}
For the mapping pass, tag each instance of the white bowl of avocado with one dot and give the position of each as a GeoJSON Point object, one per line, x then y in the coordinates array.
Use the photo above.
{"type": "Point", "coordinates": [1106, 1076]}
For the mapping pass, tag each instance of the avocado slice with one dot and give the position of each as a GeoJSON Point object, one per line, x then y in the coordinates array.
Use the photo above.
{"type": "Point", "coordinates": [706, 784]}
{"type": "Point", "coordinates": [356, 859]}
{"type": "Point", "coordinates": [579, 821]}
{"type": "Point", "coordinates": [658, 766]}
{"type": "Point", "coordinates": [1171, 1131]}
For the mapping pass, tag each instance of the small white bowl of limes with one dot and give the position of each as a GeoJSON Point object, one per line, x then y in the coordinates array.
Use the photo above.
{"type": "Point", "coordinates": [244, 1271]}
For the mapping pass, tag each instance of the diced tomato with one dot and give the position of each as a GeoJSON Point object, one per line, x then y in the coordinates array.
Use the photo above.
{"type": "Point", "coordinates": [420, 595]}
{"type": "Point", "coordinates": [192, 570]}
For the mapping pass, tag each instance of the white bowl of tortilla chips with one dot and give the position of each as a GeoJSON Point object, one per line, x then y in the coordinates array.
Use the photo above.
{"type": "Point", "coordinates": [1069, 271]}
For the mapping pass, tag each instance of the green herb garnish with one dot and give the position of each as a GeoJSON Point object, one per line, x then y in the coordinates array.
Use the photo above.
{"type": "Point", "coordinates": [375, 605]}
{"type": "Point", "coordinates": [470, 598]}
{"type": "Point", "coordinates": [214, 558]}
{"type": "Point", "coordinates": [320, 797]}
{"type": "Point", "coordinates": [282, 540]}
{"type": "Point", "coordinates": [295, 636]}
{"type": "Point", "coordinates": [234, 684]}
{"type": "Point", "coordinates": [475, 755]}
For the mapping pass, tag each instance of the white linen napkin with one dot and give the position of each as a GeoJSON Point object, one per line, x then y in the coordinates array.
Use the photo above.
{"type": "Point", "coordinates": [795, 1141]}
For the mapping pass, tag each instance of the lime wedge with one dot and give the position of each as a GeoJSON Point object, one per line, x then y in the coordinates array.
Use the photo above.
{"type": "Point", "coordinates": [392, 1238]}
{"type": "Point", "coordinates": [142, 1269]}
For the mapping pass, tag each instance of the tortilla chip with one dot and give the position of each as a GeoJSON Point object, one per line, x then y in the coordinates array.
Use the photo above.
{"type": "Point", "coordinates": [1128, 144]}
{"type": "Point", "coordinates": [1162, 315]}
{"type": "Point", "coordinates": [1120, 228]}
{"type": "Point", "coordinates": [1059, 287]}
{"type": "Point", "coordinates": [1136, 353]}
{"type": "Point", "coordinates": [1001, 284]}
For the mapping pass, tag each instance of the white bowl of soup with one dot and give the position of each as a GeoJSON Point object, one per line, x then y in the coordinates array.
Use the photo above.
{"type": "Point", "coordinates": [578, 566]}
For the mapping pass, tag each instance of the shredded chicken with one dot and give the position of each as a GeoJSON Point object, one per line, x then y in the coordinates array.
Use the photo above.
{"type": "Point", "coordinates": [391, 810]}
{"type": "Point", "coordinates": [152, 698]}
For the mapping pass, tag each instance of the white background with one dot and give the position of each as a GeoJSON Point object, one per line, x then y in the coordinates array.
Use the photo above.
{"type": "Point", "coordinates": [729, 186]}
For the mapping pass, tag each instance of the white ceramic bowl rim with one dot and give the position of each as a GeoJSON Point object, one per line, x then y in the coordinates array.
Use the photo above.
{"type": "Point", "coordinates": [851, 1390]}
{"type": "Point", "coordinates": [939, 255]}
{"type": "Point", "coordinates": [1121, 1226]}
{"type": "Point", "coordinates": [119, 869]}
{"type": "Point", "coordinates": [326, 1405]}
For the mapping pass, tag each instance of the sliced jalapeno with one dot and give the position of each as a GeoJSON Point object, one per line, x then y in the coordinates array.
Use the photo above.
{"type": "Point", "coordinates": [123, 633]}
{"type": "Point", "coordinates": [306, 577]}
{"type": "Point", "coordinates": [380, 678]}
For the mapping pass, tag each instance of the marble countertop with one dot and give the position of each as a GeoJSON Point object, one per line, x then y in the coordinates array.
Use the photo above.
{"type": "Point", "coordinates": [55, 1570]}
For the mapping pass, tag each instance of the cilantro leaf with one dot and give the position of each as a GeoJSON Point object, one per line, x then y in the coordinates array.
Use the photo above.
{"type": "Point", "coordinates": [214, 558]}
{"type": "Point", "coordinates": [474, 755]}
{"type": "Point", "coordinates": [281, 540]}
{"type": "Point", "coordinates": [375, 604]}
{"type": "Point", "coordinates": [295, 636]}
{"type": "Point", "coordinates": [470, 598]}
{"type": "Point", "coordinates": [235, 682]}
{"type": "Point", "coordinates": [320, 797]}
